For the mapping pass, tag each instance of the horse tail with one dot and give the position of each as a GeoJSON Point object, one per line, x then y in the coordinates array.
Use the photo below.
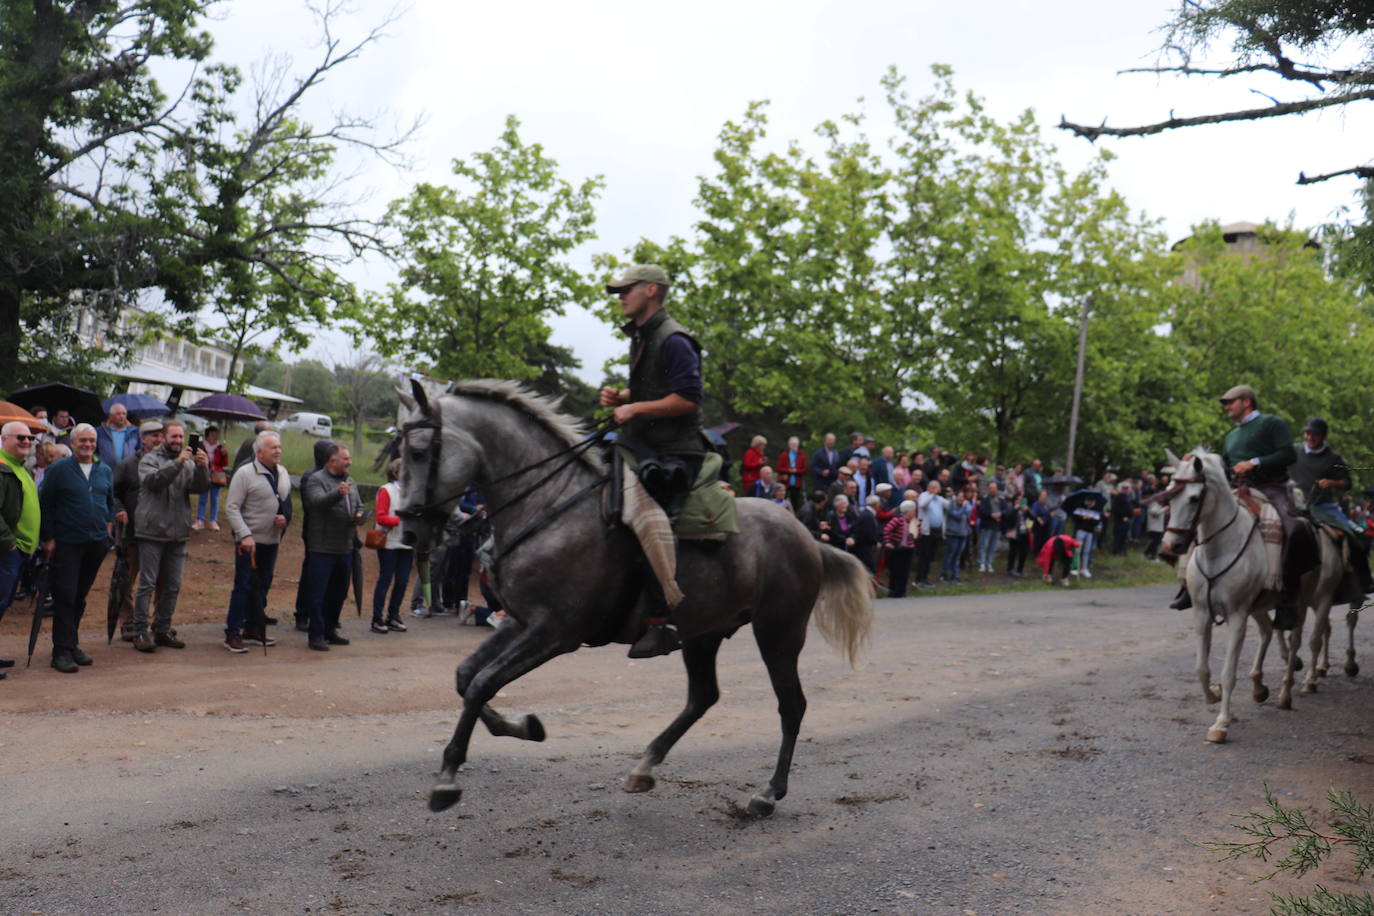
{"type": "Point", "coordinates": [844, 608]}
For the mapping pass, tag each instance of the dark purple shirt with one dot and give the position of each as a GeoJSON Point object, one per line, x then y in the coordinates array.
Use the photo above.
{"type": "Point", "coordinates": [682, 366]}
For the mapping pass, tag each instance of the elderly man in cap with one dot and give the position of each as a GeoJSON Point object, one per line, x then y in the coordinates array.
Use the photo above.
{"type": "Point", "coordinates": [19, 513]}
{"type": "Point", "coordinates": [126, 487]}
{"type": "Point", "coordinates": [1258, 453]}
{"type": "Point", "coordinates": [660, 413]}
{"type": "Point", "coordinates": [1322, 475]}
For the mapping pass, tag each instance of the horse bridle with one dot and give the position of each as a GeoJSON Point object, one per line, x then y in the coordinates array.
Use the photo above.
{"type": "Point", "coordinates": [1177, 487]}
{"type": "Point", "coordinates": [433, 511]}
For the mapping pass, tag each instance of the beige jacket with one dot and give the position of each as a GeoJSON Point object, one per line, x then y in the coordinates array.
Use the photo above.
{"type": "Point", "coordinates": [254, 503]}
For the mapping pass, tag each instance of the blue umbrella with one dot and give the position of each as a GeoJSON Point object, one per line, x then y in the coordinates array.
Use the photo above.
{"type": "Point", "coordinates": [139, 406]}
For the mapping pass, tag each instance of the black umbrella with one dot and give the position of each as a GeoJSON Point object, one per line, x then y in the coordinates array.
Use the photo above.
{"type": "Point", "coordinates": [1061, 480]}
{"type": "Point", "coordinates": [1084, 499]}
{"type": "Point", "coordinates": [119, 585]}
{"type": "Point", "coordinates": [83, 405]}
{"type": "Point", "coordinates": [42, 607]}
{"type": "Point", "coordinates": [358, 577]}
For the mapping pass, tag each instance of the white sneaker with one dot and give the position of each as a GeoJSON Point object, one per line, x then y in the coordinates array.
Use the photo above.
{"type": "Point", "coordinates": [213, 526]}
{"type": "Point", "coordinates": [1087, 574]}
{"type": "Point", "coordinates": [197, 525]}
{"type": "Point", "coordinates": [1073, 572]}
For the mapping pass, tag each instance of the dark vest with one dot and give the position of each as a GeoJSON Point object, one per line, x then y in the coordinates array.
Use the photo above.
{"type": "Point", "coordinates": [665, 435]}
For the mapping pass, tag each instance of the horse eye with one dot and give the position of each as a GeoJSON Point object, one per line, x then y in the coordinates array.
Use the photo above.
{"type": "Point", "coordinates": [1195, 498]}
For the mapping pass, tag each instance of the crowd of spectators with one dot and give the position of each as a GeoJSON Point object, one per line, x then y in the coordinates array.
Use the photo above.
{"type": "Point", "coordinates": [73, 493]}
{"type": "Point", "coordinates": [925, 518]}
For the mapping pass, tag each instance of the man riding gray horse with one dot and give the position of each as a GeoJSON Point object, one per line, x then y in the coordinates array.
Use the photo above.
{"type": "Point", "coordinates": [1258, 453]}
{"type": "Point", "coordinates": [660, 416]}
{"type": "Point", "coordinates": [1322, 475]}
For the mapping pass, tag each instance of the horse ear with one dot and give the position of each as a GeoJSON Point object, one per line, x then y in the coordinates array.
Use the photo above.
{"type": "Point", "coordinates": [421, 399]}
{"type": "Point", "coordinates": [407, 399]}
{"type": "Point", "coordinates": [1197, 464]}
{"type": "Point", "coordinates": [1173, 459]}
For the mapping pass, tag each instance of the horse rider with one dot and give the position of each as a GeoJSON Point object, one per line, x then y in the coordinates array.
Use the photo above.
{"type": "Point", "coordinates": [1321, 475]}
{"type": "Point", "coordinates": [659, 414]}
{"type": "Point", "coordinates": [1258, 453]}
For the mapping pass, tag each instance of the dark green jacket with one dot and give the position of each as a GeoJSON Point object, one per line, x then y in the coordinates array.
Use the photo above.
{"type": "Point", "coordinates": [649, 382]}
{"type": "Point", "coordinates": [1312, 467]}
{"type": "Point", "coordinates": [1266, 439]}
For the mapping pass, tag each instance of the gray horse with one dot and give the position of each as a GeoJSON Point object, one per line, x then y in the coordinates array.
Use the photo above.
{"type": "Point", "coordinates": [568, 579]}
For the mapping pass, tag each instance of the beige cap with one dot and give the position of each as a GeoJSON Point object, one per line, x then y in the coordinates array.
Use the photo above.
{"type": "Point", "coordinates": [150, 426]}
{"type": "Point", "coordinates": [1240, 391]}
{"type": "Point", "coordinates": [846, 469]}
{"type": "Point", "coordinates": [638, 273]}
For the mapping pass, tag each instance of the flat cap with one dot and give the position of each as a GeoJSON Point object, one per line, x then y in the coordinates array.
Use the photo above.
{"type": "Point", "coordinates": [883, 488]}
{"type": "Point", "coordinates": [1240, 391]}
{"type": "Point", "coordinates": [1318, 426]}
{"type": "Point", "coordinates": [150, 426]}
{"type": "Point", "coordinates": [846, 469]}
{"type": "Point", "coordinates": [638, 273]}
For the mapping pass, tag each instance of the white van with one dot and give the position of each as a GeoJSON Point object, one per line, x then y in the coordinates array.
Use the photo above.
{"type": "Point", "coordinates": [312, 424]}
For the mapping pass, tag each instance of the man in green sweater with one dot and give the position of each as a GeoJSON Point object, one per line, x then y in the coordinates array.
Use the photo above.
{"type": "Point", "coordinates": [19, 513]}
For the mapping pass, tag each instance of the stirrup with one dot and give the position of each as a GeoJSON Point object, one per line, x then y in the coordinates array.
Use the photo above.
{"type": "Point", "coordinates": [658, 639]}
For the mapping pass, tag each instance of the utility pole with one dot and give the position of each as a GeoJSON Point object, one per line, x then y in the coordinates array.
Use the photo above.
{"type": "Point", "coordinates": [1078, 380]}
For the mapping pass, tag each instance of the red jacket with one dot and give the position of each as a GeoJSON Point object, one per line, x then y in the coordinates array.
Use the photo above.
{"type": "Point", "coordinates": [749, 467]}
{"type": "Point", "coordinates": [1047, 552]}
{"type": "Point", "coordinates": [790, 474]}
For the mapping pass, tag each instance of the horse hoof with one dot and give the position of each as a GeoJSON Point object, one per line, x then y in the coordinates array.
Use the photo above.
{"type": "Point", "coordinates": [533, 728]}
{"type": "Point", "coordinates": [1213, 694]}
{"type": "Point", "coordinates": [1307, 688]}
{"type": "Point", "coordinates": [1216, 735]}
{"type": "Point", "coordinates": [1285, 702]}
{"type": "Point", "coordinates": [442, 797]}
{"type": "Point", "coordinates": [1352, 669]}
{"type": "Point", "coordinates": [1297, 663]}
{"type": "Point", "coordinates": [1321, 672]}
{"type": "Point", "coordinates": [639, 782]}
{"type": "Point", "coordinates": [761, 807]}
{"type": "Point", "coordinates": [1261, 693]}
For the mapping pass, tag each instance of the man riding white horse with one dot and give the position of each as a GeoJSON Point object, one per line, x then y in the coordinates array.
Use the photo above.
{"type": "Point", "coordinates": [660, 414]}
{"type": "Point", "coordinates": [1258, 453]}
{"type": "Point", "coordinates": [1321, 475]}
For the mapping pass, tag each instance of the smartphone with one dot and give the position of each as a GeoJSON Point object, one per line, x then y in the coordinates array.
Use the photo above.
{"type": "Point", "coordinates": [193, 442]}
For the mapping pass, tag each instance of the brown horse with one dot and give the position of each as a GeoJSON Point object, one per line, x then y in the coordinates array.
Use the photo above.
{"type": "Point", "coordinates": [569, 580]}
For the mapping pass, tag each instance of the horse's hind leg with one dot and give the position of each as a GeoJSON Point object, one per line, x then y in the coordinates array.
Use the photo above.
{"type": "Point", "coordinates": [1352, 667]}
{"type": "Point", "coordinates": [527, 650]}
{"type": "Point", "coordinates": [699, 657]}
{"type": "Point", "coordinates": [1321, 635]}
{"type": "Point", "coordinates": [1294, 640]}
{"type": "Point", "coordinates": [780, 652]}
{"type": "Point", "coordinates": [1259, 691]}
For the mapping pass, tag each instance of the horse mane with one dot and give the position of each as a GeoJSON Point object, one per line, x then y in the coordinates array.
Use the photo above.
{"type": "Point", "coordinates": [543, 410]}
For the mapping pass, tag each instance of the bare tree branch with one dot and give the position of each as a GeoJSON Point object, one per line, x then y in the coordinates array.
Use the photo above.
{"type": "Point", "coordinates": [1253, 114]}
{"type": "Point", "coordinates": [1359, 171]}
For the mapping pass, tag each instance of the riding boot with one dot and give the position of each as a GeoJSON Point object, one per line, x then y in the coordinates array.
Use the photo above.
{"type": "Point", "coordinates": [1182, 601]}
{"type": "Point", "coordinates": [659, 638]}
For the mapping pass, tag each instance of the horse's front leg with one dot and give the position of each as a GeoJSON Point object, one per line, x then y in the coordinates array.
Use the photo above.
{"type": "Point", "coordinates": [1202, 624]}
{"type": "Point", "coordinates": [1258, 690]}
{"type": "Point", "coordinates": [1321, 636]}
{"type": "Point", "coordinates": [528, 649]}
{"type": "Point", "coordinates": [699, 657]}
{"type": "Point", "coordinates": [1217, 733]}
{"type": "Point", "coordinates": [527, 727]}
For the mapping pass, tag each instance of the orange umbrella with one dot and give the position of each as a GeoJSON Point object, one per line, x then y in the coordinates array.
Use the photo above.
{"type": "Point", "coordinates": [10, 412]}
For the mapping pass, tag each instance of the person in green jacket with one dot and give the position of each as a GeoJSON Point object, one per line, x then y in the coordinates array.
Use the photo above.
{"type": "Point", "coordinates": [19, 513]}
{"type": "Point", "coordinates": [1258, 453]}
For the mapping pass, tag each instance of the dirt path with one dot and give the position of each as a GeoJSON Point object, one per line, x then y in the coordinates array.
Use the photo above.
{"type": "Point", "coordinates": [1016, 754]}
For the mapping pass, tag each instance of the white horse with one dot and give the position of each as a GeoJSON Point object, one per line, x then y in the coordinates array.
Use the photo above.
{"type": "Point", "coordinates": [1321, 639]}
{"type": "Point", "coordinates": [1226, 574]}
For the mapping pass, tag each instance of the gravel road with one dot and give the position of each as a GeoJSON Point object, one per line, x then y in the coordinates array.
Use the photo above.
{"type": "Point", "coordinates": [1031, 753]}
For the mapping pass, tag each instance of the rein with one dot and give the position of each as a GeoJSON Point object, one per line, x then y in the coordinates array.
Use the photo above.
{"type": "Point", "coordinates": [1191, 530]}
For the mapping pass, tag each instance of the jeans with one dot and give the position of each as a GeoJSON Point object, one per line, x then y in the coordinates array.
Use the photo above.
{"type": "Point", "coordinates": [11, 566]}
{"type": "Point", "coordinates": [162, 565]}
{"type": "Point", "coordinates": [1085, 553]}
{"type": "Point", "coordinates": [212, 497]}
{"type": "Point", "coordinates": [329, 575]}
{"type": "Point", "coordinates": [954, 549]}
{"type": "Point", "coordinates": [987, 546]}
{"type": "Point", "coordinates": [394, 565]}
{"type": "Point", "coordinates": [241, 599]}
{"type": "Point", "coordinates": [457, 576]}
{"type": "Point", "coordinates": [74, 568]}
{"type": "Point", "coordinates": [1056, 526]}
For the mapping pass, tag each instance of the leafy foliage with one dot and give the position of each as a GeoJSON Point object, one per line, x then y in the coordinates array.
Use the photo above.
{"type": "Point", "coordinates": [482, 264]}
{"type": "Point", "coordinates": [1302, 846]}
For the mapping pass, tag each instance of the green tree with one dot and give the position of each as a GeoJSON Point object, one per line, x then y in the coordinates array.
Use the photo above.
{"type": "Point", "coordinates": [309, 379]}
{"type": "Point", "coordinates": [482, 264]}
{"type": "Point", "coordinates": [362, 392]}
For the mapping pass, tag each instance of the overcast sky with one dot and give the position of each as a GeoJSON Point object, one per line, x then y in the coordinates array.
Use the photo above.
{"type": "Point", "coordinates": [637, 92]}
